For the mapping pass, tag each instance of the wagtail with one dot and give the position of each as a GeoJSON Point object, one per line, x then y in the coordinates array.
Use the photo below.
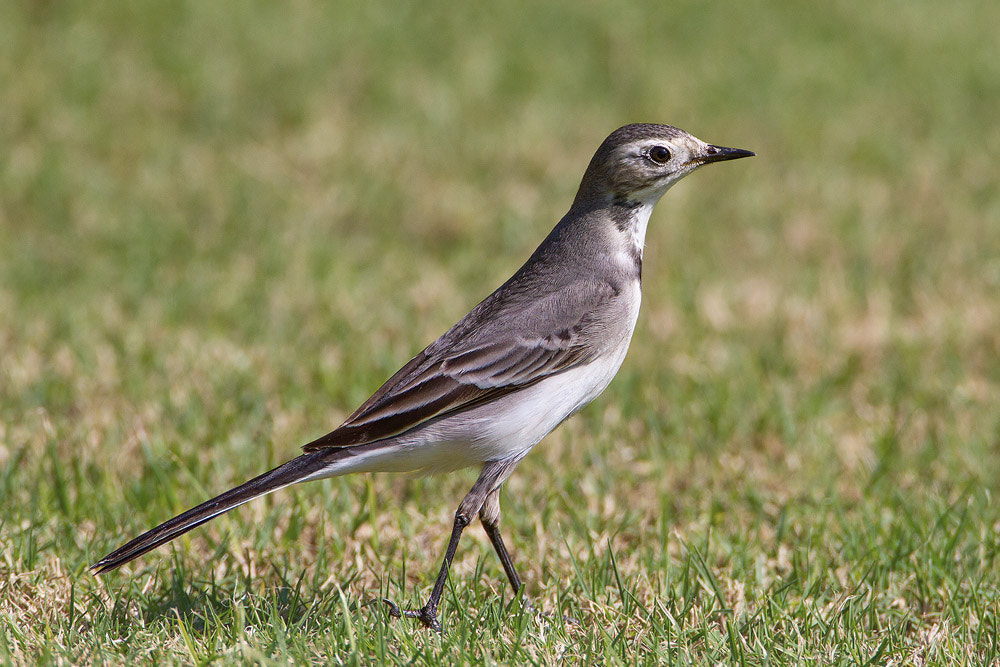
{"type": "Point", "coordinates": [531, 354]}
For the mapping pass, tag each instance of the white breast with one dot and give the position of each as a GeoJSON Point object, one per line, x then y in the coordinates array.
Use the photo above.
{"type": "Point", "coordinates": [505, 428]}
{"type": "Point", "coordinates": [511, 425]}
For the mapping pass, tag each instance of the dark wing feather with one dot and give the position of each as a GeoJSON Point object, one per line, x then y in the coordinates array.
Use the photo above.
{"type": "Point", "coordinates": [493, 351]}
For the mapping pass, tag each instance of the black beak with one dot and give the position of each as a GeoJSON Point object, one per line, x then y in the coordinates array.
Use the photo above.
{"type": "Point", "coordinates": [721, 153]}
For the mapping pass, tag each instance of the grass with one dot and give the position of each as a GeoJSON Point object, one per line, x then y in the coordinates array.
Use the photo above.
{"type": "Point", "coordinates": [223, 225]}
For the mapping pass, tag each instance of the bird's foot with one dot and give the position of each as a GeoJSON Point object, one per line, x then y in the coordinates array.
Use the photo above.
{"type": "Point", "coordinates": [426, 614]}
{"type": "Point", "coordinates": [546, 616]}
{"type": "Point", "coordinates": [568, 620]}
{"type": "Point", "coordinates": [529, 608]}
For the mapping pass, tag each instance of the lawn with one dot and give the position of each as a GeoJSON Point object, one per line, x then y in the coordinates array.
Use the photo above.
{"type": "Point", "coordinates": [223, 225]}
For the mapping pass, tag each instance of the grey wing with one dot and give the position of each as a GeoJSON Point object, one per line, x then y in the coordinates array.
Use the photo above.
{"type": "Point", "coordinates": [495, 350]}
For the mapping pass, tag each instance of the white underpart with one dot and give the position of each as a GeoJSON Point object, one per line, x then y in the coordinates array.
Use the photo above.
{"type": "Point", "coordinates": [506, 428]}
{"type": "Point", "coordinates": [648, 199]}
{"type": "Point", "coordinates": [640, 222]}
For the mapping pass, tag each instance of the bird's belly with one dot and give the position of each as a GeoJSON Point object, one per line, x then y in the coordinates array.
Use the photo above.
{"type": "Point", "coordinates": [507, 427]}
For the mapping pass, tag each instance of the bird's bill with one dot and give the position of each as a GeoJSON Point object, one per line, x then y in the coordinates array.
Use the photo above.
{"type": "Point", "coordinates": [721, 153]}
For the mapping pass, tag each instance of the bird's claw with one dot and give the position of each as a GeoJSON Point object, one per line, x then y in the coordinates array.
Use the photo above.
{"type": "Point", "coordinates": [530, 608]}
{"type": "Point", "coordinates": [426, 614]}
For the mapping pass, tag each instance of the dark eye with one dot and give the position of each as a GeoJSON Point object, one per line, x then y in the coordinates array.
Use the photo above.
{"type": "Point", "coordinates": [659, 154]}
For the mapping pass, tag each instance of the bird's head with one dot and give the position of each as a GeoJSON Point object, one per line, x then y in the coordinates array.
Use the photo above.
{"type": "Point", "coordinates": [637, 163]}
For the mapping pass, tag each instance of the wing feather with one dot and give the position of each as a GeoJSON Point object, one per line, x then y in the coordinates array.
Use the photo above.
{"type": "Point", "coordinates": [470, 365]}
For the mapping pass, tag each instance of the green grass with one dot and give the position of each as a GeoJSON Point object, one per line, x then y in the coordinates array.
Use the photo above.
{"type": "Point", "coordinates": [223, 225]}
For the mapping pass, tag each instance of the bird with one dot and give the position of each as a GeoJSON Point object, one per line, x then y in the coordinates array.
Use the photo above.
{"type": "Point", "coordinates": [546, 343]}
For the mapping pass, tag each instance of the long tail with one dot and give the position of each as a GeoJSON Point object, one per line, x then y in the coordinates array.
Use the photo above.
{"type": "Point", "coordinates": [297, 470]}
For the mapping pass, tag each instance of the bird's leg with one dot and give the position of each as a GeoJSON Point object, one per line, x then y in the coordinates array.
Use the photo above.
{"type": "Point", "coordinates": [428, 613]}
{"type": "Point", "coordinates": [470, 506]}
{"type": "Point", "coordinates": [489, 516]}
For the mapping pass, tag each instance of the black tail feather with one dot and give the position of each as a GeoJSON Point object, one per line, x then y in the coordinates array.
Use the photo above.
{"type": "Point", "coordinates": [294, 471]}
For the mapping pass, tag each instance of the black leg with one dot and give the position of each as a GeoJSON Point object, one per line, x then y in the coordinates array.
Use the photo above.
{"type": "Point", "coordinates": [492, 475]}
{"type": "Point", "coordinates": [428, 613]}
{"type": "Point", "coordinates": [493, 531]}
{"type": "Point", "coordinates": [489, 516]}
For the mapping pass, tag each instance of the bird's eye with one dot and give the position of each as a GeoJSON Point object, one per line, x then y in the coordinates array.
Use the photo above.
{"type": "Point", "coordinates": [659, 154]}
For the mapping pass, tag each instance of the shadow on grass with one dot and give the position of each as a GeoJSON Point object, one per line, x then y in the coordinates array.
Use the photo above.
{"type": "Point", "coordinates": [229, 606]}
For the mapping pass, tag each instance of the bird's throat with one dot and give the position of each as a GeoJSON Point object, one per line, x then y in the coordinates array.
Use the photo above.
{"type": "Point", "coordinates": [630, 223]}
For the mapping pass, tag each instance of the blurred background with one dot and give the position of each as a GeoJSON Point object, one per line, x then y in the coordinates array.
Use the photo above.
{"type": "Point", "coordinates": [223, 225]}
